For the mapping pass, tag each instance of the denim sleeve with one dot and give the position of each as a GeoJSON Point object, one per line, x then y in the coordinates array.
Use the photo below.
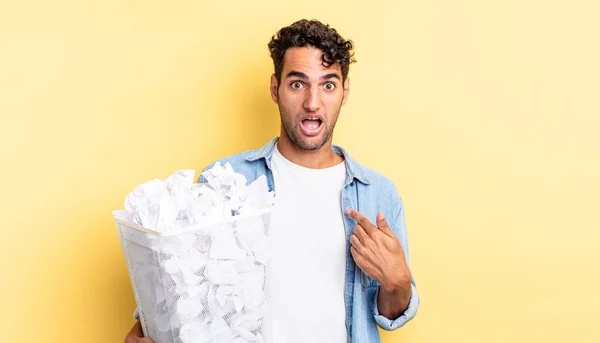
{"type": "Point", "coordinates": [399, 228]}
{"type": "Point", "coordinates": [393, 324]}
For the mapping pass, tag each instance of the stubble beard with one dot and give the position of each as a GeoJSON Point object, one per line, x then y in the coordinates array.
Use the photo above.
{"type": "Point", "coordinates": [293, 132]}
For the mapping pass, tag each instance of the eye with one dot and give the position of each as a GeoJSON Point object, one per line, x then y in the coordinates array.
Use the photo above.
{"type": "Point", "coordinates": [296, 85]}
{"type": "Point", "coordinates": [329, 86]}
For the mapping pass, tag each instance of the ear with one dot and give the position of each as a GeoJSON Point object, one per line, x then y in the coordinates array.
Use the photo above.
{"type": "Point", "coordinates": [346, 90]}
{"type": "Point", "coordinates": [274, 88]}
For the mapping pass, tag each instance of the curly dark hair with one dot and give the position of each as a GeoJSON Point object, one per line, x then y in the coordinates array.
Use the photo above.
{"type": "Point", "coordinates": [316, 34]}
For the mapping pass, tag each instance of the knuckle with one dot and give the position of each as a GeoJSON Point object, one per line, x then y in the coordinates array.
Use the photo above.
{"type": "Point", "coordinates": [406, 278]}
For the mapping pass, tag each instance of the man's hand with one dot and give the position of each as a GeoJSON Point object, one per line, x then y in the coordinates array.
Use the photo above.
{"type": "Point", "coordinates": [378, 252]}
{"type": "Point", "coordinates": [136, 335]}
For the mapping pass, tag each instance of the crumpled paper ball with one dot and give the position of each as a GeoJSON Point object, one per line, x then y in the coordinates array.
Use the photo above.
{"type": "Point", "coordinates": [178, 202]}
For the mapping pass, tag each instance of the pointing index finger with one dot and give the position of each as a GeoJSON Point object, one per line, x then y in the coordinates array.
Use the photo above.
{"type": "Point", "coordinates": [362, 220]}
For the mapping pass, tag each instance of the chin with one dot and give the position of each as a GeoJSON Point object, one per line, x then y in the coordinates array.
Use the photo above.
{"type": "Point", "coordinates": [297, 138]}
{"type": "Point", "coordinates": [310, 143]}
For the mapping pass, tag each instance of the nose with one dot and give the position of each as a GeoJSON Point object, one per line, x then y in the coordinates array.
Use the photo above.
{"type": "Point", "coordinates": [312, 100]}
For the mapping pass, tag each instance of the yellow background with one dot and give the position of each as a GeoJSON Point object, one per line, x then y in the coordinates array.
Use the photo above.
{"type": "Point", "coordinates": [486, 114]}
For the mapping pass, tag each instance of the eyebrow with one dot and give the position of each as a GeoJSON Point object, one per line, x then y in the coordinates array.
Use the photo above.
{"type": "Point", "coordinates": [296, 74]}
{"type": "Point", "coordinates": [305, 77]}
{"type": "Point", "coordinates": [331, 76]}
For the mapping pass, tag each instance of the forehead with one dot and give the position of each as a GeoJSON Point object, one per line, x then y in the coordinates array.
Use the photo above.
{"type": "Point", "coordinates": [307, 60]}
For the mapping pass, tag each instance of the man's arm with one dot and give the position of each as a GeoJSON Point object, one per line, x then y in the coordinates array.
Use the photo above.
{"type": "Point", "coordinates": [393, 300]}
{"type": "Point", "coordinates": [379, 252]}
{"type": "Point", "coordinates": [396, 303]}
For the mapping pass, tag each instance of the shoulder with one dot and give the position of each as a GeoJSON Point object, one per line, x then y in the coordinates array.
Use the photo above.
{"type": "Point", "coordinates": [242, 160]}
{"type": "Point", "coordinates": [240, 163]}
{"type": "Point", "coordinates": [235, 160]}
{"type": "Point", "coordinates": [370, 179]}
{"type": "Point", "coordinates": [382, 191]}
{"type": "Point", "coordinates": [379, 180]}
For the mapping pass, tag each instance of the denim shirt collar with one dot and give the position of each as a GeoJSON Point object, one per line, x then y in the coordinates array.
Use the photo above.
{"type": "Point", "coordinates": [353, 169]}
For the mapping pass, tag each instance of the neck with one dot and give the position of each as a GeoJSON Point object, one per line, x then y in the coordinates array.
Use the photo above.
{"type": "Point", "coordinates": [324, 157]}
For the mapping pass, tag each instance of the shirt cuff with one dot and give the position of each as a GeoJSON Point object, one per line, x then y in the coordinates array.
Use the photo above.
{"type": "Point", "coordinates": [411, 311]}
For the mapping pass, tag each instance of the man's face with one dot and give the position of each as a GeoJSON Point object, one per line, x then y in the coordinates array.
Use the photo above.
{"type": "Point", "coordinates": [309, 97]}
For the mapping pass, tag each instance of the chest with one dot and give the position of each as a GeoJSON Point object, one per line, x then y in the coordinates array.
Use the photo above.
{"type": "Point", "coordinates": [308, 214]}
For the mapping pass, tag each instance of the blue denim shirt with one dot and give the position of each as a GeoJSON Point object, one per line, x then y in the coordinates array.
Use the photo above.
{"type": "Point", "coordinates": [368, 192]}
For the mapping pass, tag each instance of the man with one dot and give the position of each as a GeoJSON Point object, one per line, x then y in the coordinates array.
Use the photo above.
{"type": "Point", "coordinates": [340, 263]}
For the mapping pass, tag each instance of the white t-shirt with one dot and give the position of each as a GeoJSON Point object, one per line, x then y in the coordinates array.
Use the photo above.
{"type": "Point", "coordinates": [309, 258]}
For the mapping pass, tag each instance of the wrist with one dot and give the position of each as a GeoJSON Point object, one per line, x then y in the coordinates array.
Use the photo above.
{"type": "Point", "coordinates": [394, 285]}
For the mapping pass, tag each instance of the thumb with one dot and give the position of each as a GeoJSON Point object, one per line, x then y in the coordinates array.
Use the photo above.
{"type": "Point", "coordinates": [382, 223]}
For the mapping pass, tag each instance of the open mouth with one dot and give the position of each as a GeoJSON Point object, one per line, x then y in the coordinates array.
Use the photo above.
{"type": "Point", "coordinates": [311, 126]}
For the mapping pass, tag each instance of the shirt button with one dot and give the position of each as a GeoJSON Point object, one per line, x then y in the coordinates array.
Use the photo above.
{"type": "Point", "coordinates": [352, 184]}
